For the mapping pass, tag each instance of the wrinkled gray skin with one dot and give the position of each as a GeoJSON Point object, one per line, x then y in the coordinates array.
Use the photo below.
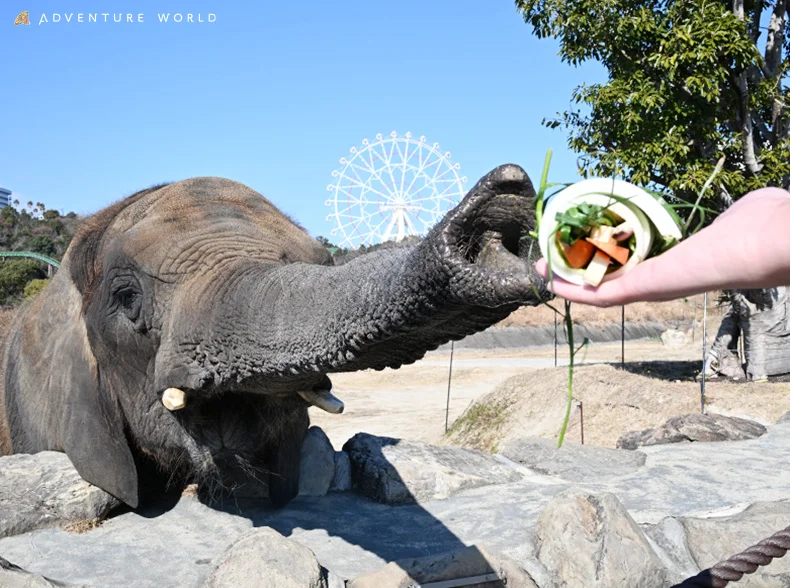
{"type": "Point", "coordinates": [203, 285]}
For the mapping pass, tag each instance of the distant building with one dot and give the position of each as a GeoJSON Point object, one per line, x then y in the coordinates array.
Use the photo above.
{"type": "Point", "coordinates": [5, 197]}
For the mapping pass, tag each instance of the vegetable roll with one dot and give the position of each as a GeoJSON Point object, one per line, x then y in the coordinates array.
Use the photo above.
{"type": "Point", "coordinates": [598, 229]}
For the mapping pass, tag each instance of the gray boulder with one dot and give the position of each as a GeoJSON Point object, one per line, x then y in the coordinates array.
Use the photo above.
{"type": "Point", "coordinates": [394, 471]}
{"type": "Point", "coordinates": [342, 479]}
{"type": "Point", "coordinates": [465, 563]}
{"type": "Point", "coordinates": [44, 490]}
{"type": "Point", "coordinates": [785, 418]}
{"type": "Point", "coordinates": [588, 541]}
{"type": "Point", "coordinates": [573, 462]}
{"type": "Point", "coordinates": [12, 576]}
{"type": "Point", "coordinates": [317, 468]}
{"type": "Point", "coordinates": [694, 427]}
{"type": "Point", "coordinates": [694, 544]}
{"type": "Point", "coordinates": [263, 557]}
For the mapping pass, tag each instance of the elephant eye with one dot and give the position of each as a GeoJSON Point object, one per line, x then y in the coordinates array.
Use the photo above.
{"type": "Point", "coordinates": [129, 301]}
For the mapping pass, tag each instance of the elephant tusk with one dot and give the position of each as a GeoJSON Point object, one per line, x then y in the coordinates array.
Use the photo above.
{"type": "Point", "coordinates": [174, 399]}
{"type": "Point", "coordinates": [324, 400]}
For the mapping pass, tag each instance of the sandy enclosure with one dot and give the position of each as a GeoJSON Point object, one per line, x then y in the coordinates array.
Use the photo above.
{"type": "Point", "coordinates": [410, 402]}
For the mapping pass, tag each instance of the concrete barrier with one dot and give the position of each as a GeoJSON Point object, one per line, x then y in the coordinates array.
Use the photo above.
{"type": "Point", "coordinates": [520, 337]}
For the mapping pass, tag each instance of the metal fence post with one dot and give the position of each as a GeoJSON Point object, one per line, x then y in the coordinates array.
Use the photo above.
{"type": "Point", "coordinates": [449, 382]}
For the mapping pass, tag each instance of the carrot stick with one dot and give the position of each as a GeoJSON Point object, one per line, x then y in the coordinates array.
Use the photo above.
{"type": "Point", "coordinates": [579, 254]}
{"type": "Point", "coordinates": [620, 254]}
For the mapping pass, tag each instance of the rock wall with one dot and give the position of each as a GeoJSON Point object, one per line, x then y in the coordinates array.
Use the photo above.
{"type": "Point", "coordinates": [517, 337]}
{"type": "Point", "coordinates": [576, 517]}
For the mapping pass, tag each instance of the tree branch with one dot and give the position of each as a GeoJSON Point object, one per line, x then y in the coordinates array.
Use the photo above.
{"type": "Point", "coordinates": [757, 12]}
{"type": "Point", "coordinates": [724, 199]}
{"type": "Point", "coordinates": [762, 129]}
{"type": "Point", "coordinates": [656, 179]}
{"type": "Point", "coordinates": [774, 42]}
{"type": "Point", "coordinates": [742, 95]}
{"type": "Point", "coordinates": [773, 63]}
{"type": "Point", "coordinates": [745, 120]}
{"type": "Point", "coordinates": [737, 9]}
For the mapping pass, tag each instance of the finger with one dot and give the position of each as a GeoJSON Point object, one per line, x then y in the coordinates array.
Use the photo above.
{"type": "Point", "coordinates": [603, 296]}
{"type": "Point", "coordinates": [542, 267]}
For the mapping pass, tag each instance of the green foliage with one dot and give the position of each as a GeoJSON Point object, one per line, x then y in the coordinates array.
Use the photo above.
{"type": "Point", "coordinates": [14, 276]}
{"type": "Point", "coordinates": [344, 255]}
{"type": "Point", "coordinates": [49, 235]}
{"type": "Point", "coordinates": [331, 247]}
{"type": "Point", "coordinates": [485, 415]}
{"type": "Point", "coordinates": [20, 231]}
{"type": "Point", "coordinates": [43, 244]}
{"type": "Point", "coordinates": [689, 81]}
{"type": "Point", "coordinates": [33, 287]}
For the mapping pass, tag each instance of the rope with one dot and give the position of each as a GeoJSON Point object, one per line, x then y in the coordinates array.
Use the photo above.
{"type": "Point", "coordinates": [746, 562]}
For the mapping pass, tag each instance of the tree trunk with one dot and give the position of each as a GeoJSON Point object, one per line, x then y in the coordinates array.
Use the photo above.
{"type": "Point", "coordinates": [762, 317]}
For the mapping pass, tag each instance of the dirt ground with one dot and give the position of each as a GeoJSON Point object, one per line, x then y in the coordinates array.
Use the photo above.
{"type": "Point", "coordinates": [527, 395]}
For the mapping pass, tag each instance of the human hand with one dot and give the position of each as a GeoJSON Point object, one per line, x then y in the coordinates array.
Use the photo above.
{"type": "Point", "coordinates": [607, 294]}
{"type": "Point", "coordinates": [748, 246]}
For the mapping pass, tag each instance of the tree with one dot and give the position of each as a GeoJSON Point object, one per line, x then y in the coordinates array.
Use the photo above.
{"type": "Point", "coordinates": [43, 244]}
{"type": "Point", "coordinates": [688, 81]}
{"type": "Point", "coordinates": [33, 287]}
{"type": "Point", "coordinates": [14, 275]}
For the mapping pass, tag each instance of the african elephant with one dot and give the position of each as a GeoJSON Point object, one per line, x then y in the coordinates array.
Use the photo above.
{"type": "Point", "coordinates": [203, 289]}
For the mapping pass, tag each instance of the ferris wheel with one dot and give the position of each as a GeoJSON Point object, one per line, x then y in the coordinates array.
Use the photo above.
{"type": "Point", "coordinates": [390, 188]}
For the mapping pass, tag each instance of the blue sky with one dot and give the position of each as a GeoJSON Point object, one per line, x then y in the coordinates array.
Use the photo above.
{"type": "Point", "coordinates": [271, 94]}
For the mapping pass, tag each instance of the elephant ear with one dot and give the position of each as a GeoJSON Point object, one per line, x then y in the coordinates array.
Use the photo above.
{"type": "Point", "coordinates": [93, 433]}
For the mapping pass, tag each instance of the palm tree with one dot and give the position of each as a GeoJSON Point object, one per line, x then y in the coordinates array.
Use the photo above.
{"type": "Point", "coordinates": [30, 204]}
{"type": "Point", "coordinates": [16, 202]}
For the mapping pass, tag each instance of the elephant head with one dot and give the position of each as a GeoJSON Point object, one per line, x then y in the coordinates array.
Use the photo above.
{"type": "Point", "coordinates": [202, 290]}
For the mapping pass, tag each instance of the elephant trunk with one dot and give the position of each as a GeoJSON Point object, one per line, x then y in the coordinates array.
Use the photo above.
{"type": "Point", "coordinates": [286, 326]}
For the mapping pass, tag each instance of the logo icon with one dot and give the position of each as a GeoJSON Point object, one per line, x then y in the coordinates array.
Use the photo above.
{"type": "Point", "coordinates": [23, 18]}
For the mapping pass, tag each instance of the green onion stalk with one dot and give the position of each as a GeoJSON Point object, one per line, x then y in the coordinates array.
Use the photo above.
{"type": "Point", "coordinates": [573, 211]}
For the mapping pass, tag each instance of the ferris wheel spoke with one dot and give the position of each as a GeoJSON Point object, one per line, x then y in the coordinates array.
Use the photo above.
{"type": "Point", "coordinates": [405, 160]}
{"type": "Point", "coordinates": [365, 187]}
{"type": "Point", "coordinates": [368, 163]}
{"type": "Point", "coordinates": [409, 223]}
{"type": "Point", "coordinates": [419, 173]}
{"type": "Point", "coordinates": [360, 216]}
{"type": "Point", "coordinates": [388, 232]}
{"type": "Point", "coordinates": [385, 164]}
{"type": "Point", "coordinates": [435, 173]}
{"type": "Point", "coordinates": [450, 184]}
{"type": "Point", "coordinates": [415, 200]}
{"type": "Point", "coordinates": [424, 189]}
{"type": "Point", "coordinates": [384, 218]}
{"type": "Point", "coordinates": [388, 164]}
{"type": "Point", "coordinates": [359, 201]}
{"type": "Point", "coordinates": [373, 172]}
{"type": "Point", "coordinates": [361, 213]}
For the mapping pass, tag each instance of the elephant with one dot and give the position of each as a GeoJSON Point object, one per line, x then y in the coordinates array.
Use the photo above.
{"type": "Point", "coordinates": [192, 324]}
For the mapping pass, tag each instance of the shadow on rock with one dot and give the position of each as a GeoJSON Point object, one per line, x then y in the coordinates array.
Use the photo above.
{"type": "Point", "coordinates": [389, 522]}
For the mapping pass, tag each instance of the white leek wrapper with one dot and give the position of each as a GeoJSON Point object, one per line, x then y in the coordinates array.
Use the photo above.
{"type": "Point", "coordinates": [633, 205]}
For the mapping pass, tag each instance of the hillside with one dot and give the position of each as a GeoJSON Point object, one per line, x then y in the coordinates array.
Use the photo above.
{"type": "Point", "coordinates": [43, 231]}
{"type": "Point", "coordinates": [615, 402]}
